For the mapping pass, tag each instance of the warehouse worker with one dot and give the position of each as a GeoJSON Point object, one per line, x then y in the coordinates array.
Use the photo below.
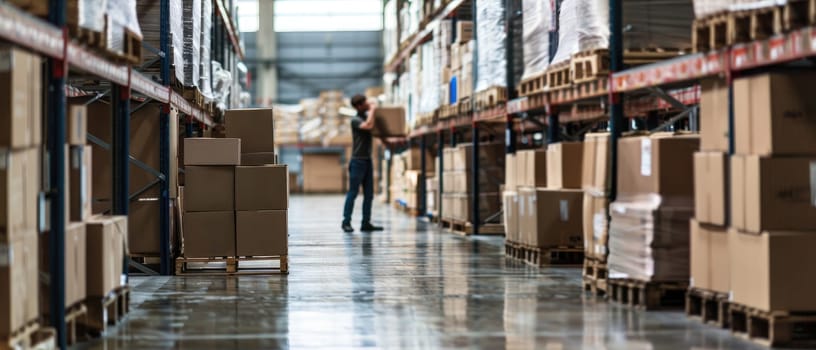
{"type": "Point", "coordinates": [361, 167]}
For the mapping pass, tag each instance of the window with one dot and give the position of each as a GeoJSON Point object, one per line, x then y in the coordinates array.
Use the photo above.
{"type": "Point", "coordinates": [248, 13]}
{"type": "Point", "coordinates": [328, 15]}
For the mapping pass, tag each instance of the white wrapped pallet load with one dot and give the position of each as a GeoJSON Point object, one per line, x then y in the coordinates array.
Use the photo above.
{"type": "Point", "coordinates": [121, 21]}
{"type": "Point", "coordinates": [567, 32]}
{"type": "Point", "coordinates": [149, 12]}
{"type": "Point", "coordinates": [205, 81]}
{"type": "Point", "coordinates": [536, 36]}
{"type": "Point", "coordinates": [390, 29]}
{"type": "Point", "coordinates": [490, 37]}
{"type": "Point", "coordinates": [704, 8]}
{"type": "Point", "coordinates": [91, 14]}
{"type": "Point", "coordinates": [593, 24]}
{"type": "Point", "coordinates": [192, 41]}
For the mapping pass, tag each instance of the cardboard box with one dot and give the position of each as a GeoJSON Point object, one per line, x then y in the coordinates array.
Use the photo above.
{"type": "Point", "coordinates": [710, 260]}
{"type": "Point", "coordinates": [209, 234]}
{"type": "Point", "coordinates": [533, 168]}
{"type": "Point", "coordinates": [490, 155]}
{"type": "Point", "coordinates": [389, 121]}
{"type": "Point", "coordinates": [20, 99]}
{"type": "Point", "coordinates": [489, 204]}
{"type": "Point", "coordinates": [254, 127]}
{"type": "Point", "coordinates": [106, 248]}
{"type": "Point", "coordinates": [464, 31]}
{"type": "Point", "coordinates": [262, 232]}
{"type": "Point", "coordinates": [262, 187]}
{"type": "Point", "coordinates": [510, 167]}
{"type": "Point", "coordinates": [766, 270]}
{"type": "Point", "coordinates": [511, 215]}
{"type": "Point", "coordinates": [209, 151]}
{"type": "Point", "coordinates": [209, 188]}
{"type": "Point", "coordinates": [18, 290]}
{"type": "Point", "coordinates": [19, 190]}
{"type": "Point", "coordinates": [323, 173]}
{"type": "Point", "coordinates": [714, 115]}
{"type": "Point", "coordinates": [144, 226]}
{"type": "Point", "coordinates": [596, 225]}
{"type": "Point", "coordinates": [660, 164]}
{"type": "Point", "coordinates": [75, 265]}
{"type": "Point", "coordinates": [79, 179]}
{"type": "Point", "coordinates": [775, 114]}
{"type": "Point", "coordinates": [462, 180]}
{"type": "Point", "coordinates": [595, 165]}
{"type": "Point", "coordinates": [710, 177]}
{"type": "Point", "coordinates": [552, 218]}
{"type": "Point", "coordinates": [77, 124]}
{"type": "Point", "coordinates": [564, 163]}
{"type": "Point", "coordinates": [773, 194]}
{"type": "Point", "coordinates": [260, 158]}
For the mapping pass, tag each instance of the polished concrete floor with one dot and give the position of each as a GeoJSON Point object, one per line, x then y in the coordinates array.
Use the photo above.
{"type": "Point", "coordinates": [411, 286]}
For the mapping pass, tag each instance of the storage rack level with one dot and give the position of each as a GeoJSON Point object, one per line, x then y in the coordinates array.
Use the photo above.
{"type": "Point", "coordinates": [221, 266]}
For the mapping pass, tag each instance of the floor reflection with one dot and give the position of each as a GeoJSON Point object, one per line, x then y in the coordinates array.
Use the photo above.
{"type": "Point", "coordinates": [408, 287]}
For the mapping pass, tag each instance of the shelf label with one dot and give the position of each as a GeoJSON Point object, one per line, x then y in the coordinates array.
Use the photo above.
{"type": "Point", "coordinates": [776, 48]}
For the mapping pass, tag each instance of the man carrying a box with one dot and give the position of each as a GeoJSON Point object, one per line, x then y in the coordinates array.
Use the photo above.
{"type": "Point", "coordinates": [361, 167]}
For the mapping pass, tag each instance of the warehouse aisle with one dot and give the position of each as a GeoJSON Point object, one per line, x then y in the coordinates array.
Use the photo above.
{"type": "Point", "coordinates": [409, 287]}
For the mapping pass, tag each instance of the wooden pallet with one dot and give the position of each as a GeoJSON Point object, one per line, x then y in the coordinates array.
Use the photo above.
{"type": "Point", "coordinates": [756, 24]}
{"type": "Point", "coordinates": [708, 306]}
{"type": "Point", "coordinates": [75, 317]}
{"type": "Point", "coordinates": [774, 328]}
{"type": "Point", "coordinates": [103, 312]}
{"type": "Point", "coordinates": [88, 37]}
{"type": "Point", "coordinates": [448, 111]}
{"type": "Point", "coordinates": [647, 295]}
{"type": "Point", "coordinates": [536, 83]}
{"type": "Point", "coordinates": [192, 94]}
{"type": "Point", "coordinates": [558, 75]}
{"type": "Point", "coordinates": [30, 336]}
{"type": "Point", "coordinates": [464, 228]}
{"type": "Point", "coordinates": [465, 107]}
{"type": "Point", "coordinates": [589, 65]}
{"type": "Point", "coordinates": [594, 88]}
{"type": "Point", "coordinates": [491, 97]}
{"type": "Point", "coordinates": [132, 51]}
{"type": "Point", "coordinates": [221, 266]}
{"type": "Point", "coordinates": [710, 33]}
{"type": "Point", "coordinates": [545, 256]}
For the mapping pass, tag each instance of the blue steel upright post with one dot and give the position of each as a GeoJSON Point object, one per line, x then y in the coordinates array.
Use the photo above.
{"type": "Point", "coordinates": [164, 146]}
{"type": "Point", "coordinates": [423, 165]}
{"type": "Point", "coordinates": [475, 127]}
{"type": "Point", "coordinates": [55, 106]}
{"type": "Point", "coordinates": [440, 142]}
{"type": "Point", "coordinates": [121, 149]}
{"type": "Point", "coordinates": [615, 100]}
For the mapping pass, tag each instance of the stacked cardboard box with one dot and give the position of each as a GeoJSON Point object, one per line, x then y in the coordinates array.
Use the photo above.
{"type": "Point", "coordinates": [457, 182]}
{"type": "Point", "coordinates": [773, 216]}
{"type": "Point", "coordinates": [255, 128]}
{"type": "Point", "coordinates": [20, 142]}
{"type": "Point", "coordinates": [524, 172]}
{"type": "Point", "coordinates": [649, 228]}
{"type": "Point", "coordinates": [709, 268]}
{"type": "Point", "coordinates": [106, 238]}
{"type": "Point", "coordinates": [209, 196]}
{"type": "Point", "coordinates": [323, 173]}
{"type": "Point", "coordinates": [595, 174]}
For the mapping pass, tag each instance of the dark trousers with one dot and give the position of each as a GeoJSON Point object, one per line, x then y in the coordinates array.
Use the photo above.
{"type": "Point", "coordinates": [361, 172]}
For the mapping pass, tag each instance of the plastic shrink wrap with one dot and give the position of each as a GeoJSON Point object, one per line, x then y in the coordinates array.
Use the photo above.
{"type": "Point", "coordinates": [90, 14]}
{"type": "Point", "coordinates": [221, 82]}
{"type": "Point", "coordinates": [649, 238]}
{"type": "Point", "coordinates": [121, 21]}
{"type": "Point", "coordinates": [191, 11]}
{"type": "Point", "coordinates": [490, 36]}
{"type": "Point", "coordinates": [149, 12]}
{"type": "Point", "coordinates": [536, 36]}
{"type": "Point", "coordinates": [703, 8]}
{"type": "Point", "coordinates": [205, 83]}
{"type": "Point", "coordinates": [651, 25]}
{"type": "Point", "coordinates": [390, 29]}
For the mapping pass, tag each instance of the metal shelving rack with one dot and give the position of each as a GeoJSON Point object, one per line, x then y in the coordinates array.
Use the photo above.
{"type": "Point", "coordinates": [666, 86]}
{"type": "Point", "coordinates": [50, 39]}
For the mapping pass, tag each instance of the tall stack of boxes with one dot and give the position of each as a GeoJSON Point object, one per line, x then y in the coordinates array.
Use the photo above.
{"type": "Point", "coordinates": [773, 215]}
{"type": "Point", "coordinates": [413, 175]}
{"type": "Point", "coordinates": [236, 195]}
{"type": "Point", "coordinates": [649, 228]}
{"type": "Point", "coordinates": [461, 63]}
{"type": "Point", "coordinates": [20, 143]}
{"type": "Point", "coordinates": [595, 175]}
{"type": "Point", "coordinates": [530, 173]}
{"type": "Point", "coordinates": [553, 216]}
{"type": "Point", "coordinates": [709, 255]}
{"type": "Point", "coordinates": [209, 196]}
{"type": "Point", "coordinates": [457, 195]}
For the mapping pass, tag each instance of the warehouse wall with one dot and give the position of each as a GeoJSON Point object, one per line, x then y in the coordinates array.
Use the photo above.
{"type": "Point", "coordinates": [310, 62]}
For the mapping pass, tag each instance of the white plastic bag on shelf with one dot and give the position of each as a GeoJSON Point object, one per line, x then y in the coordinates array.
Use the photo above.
{"type": "Point", "coordinates": [222, 80]}
{"type": "Point", "coordinates": [91, 14]}
{"type": "Point", "coordinates": [490, 36]}
{"type": "Point", "coordinates": [536, 36]}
